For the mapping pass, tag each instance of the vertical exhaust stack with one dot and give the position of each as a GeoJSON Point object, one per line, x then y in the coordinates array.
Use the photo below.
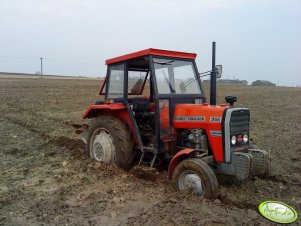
{"type": "Point", "coordinates": [213, 78]}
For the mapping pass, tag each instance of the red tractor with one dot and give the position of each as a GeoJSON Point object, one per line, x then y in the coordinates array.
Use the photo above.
{"type": "Point", "coordinates": [154, 107]}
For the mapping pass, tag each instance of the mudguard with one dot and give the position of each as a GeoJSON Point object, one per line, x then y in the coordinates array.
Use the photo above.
{"type": "Point", "coordinates": [94, 110]}
{"type": "Point", "coordinates": [175, 160]}
{"type": "Point", "coordinates": [116, 109]}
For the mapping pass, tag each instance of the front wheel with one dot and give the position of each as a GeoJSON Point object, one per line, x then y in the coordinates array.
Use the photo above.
{"type": "Point", "coordinates": [195, 175]}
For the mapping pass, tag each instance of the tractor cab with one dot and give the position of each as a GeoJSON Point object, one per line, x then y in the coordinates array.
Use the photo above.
{"type": "Point", "coordinates": [152, 82]}
{"type": "Point", "coordinates": [154, 107]}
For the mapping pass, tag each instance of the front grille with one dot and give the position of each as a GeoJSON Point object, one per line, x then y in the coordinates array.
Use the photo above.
{"type": "Point", "coordinates": [236, 123]}
{"type": "Point", "coordinates": [239, 122]}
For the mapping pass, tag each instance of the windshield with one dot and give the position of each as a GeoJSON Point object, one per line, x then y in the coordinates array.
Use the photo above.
{"type": "Point", "coordinates": [176, 76]}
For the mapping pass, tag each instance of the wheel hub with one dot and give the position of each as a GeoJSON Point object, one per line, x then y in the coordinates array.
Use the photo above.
{"type": "Point", "coordinates": [190, 180]}
{"type": "Point", "coordinates": [98, 150]}
{"type": "Point", "coordinates": [102, 146]}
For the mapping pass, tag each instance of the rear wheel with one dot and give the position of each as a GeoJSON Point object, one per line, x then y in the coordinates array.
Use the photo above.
{"type": "Point", "coordinates": [110, 140]}
{"type": "Point", "coordinates": [195, 175]}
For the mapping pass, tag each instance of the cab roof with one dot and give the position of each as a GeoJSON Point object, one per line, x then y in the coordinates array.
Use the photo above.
{"type": "Point", "coordinates": [151, 51]}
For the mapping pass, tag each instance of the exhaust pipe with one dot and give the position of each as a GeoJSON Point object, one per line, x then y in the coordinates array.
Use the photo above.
{"type": "Point", "coordinates": [213, 78]}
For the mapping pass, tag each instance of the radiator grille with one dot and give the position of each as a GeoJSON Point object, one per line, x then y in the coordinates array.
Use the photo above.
{"type": "Point", "coordinates": [239, 125]}
{"type": "Point", "coordinates": [239, 122]}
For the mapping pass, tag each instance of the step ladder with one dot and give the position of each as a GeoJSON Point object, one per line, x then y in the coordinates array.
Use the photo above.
{"type": "Point", "coordinates": [151, 150]}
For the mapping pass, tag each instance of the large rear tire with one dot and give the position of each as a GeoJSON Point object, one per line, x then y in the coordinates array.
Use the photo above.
{"type": "Point", "coordinates": [110, 140]}
{"type": "Point", "coordinates": [195, 175]}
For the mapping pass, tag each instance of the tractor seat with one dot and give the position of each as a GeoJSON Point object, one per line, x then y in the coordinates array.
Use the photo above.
{"type": "Point", "coordinates": [141, 107]}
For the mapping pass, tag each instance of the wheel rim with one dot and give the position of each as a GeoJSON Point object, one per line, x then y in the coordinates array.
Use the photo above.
{"type": "Point", "coordinates": [102, 147]}
{"type": "Point", "coordinates": [189, 180]}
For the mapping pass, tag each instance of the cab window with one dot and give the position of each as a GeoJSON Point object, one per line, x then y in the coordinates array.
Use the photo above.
{"type": "Point", "coordinates": [116, 81]}
{"type": "Point", "coordinates": [137, 81]}
{"type": "Point", "coordinates": [138, 77]}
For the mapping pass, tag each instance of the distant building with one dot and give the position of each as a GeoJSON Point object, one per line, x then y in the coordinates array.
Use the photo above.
{"type": "Point", "coordinates": [232, 82]}
{"type": "Point", "coordinates": [263, 83]}
{"type": "Point", "coordinates": [228, 82]}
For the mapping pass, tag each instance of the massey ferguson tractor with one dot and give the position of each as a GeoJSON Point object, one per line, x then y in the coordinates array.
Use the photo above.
{"type": "Point", "coordinates": [155, 110]}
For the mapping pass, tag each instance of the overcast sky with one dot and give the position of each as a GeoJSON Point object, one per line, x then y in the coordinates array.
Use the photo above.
{"type": "Point", "coordinates": [255, 39]}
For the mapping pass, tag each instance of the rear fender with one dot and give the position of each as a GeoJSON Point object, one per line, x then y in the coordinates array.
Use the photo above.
{"type": "Point", "coordinates": [175, 160]}
{"type": "Point", "coordinates": [94, 110]}
{"type": "Point", "coordinates": [118, 110]}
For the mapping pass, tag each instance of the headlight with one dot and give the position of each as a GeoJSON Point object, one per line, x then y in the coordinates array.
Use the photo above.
{"type": "Point", "coordinates": [233, 140]}
{"type": "Point", "coordinates": [245, 138]}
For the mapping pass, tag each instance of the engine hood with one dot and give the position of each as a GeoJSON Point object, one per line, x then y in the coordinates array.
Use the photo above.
{"type": "Point", "coordinates": [196, 115]}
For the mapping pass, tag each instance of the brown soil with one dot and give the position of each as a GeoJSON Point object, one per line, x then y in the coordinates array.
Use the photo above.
{"type": "Point", "coordinates": [46, 178]}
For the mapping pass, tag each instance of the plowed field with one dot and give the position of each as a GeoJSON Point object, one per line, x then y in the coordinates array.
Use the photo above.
{"type": "Point", "coordinates": [47, 179]}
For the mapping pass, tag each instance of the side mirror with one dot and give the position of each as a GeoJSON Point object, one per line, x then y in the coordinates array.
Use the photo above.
{"type": "Point", "coordinates": [218, 70]}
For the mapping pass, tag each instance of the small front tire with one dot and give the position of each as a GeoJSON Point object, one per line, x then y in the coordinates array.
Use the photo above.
{"type": "Point", "coordinates": [194, 174]}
